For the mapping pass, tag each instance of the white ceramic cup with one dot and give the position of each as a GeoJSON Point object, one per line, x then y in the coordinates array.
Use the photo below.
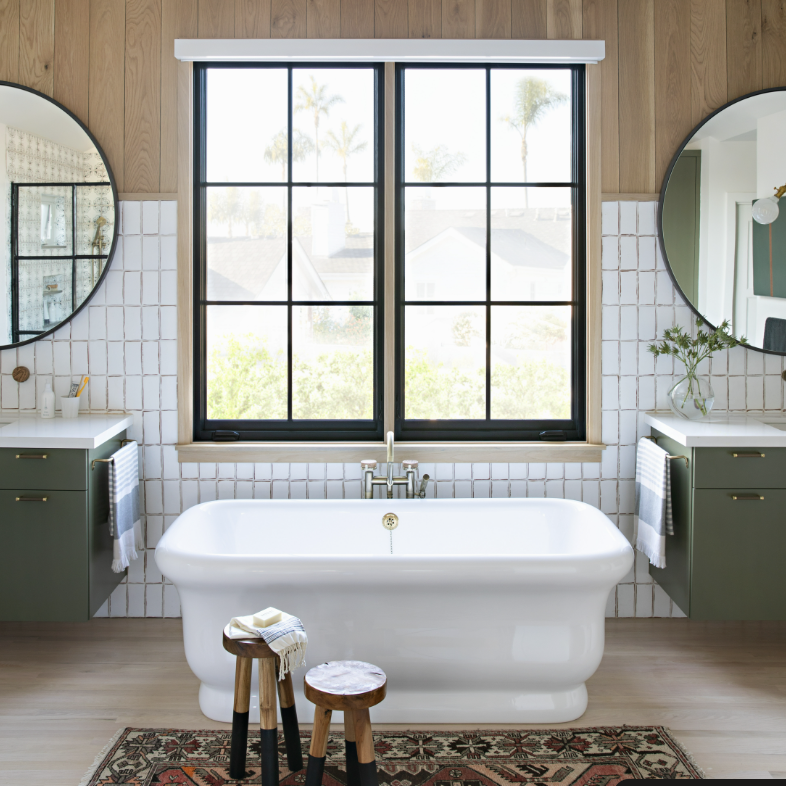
{"type": "Point", "coordinates": [69, 407]}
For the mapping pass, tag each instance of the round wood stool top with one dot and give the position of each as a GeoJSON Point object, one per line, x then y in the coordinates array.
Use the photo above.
{"type": "Point", "coordinates": [248, 648]}
{"type": "Point", "coordinates": [345, 685]}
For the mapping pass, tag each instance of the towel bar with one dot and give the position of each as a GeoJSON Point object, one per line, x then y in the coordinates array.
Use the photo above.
{"type": "Point", "coordinates": [671, 458]}
{"type": "Point", "coordinates": [108, 460]}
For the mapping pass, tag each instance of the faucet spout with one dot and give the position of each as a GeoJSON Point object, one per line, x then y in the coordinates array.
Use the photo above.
{"type": "Point", "coordinates": [391, 457]}
{"type": "Point", "coordinates": [391, 447]}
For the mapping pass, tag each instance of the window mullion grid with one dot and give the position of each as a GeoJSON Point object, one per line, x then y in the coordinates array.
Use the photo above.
{"type": "Point", "coordinates": [289, 242]}
{"type": "Point", "coordinates": [488, 243]}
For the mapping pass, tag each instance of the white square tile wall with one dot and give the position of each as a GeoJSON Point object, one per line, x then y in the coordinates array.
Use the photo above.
{"type": "Point", "coordinates": [126, 341]}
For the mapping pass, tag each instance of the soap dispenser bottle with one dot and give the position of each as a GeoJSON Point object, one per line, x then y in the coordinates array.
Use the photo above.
{"type": "Point", "coordinates": [48, 402]}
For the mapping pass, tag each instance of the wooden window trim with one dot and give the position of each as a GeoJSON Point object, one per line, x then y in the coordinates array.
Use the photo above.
{"type": "Point", "coordinates": [190, 451]}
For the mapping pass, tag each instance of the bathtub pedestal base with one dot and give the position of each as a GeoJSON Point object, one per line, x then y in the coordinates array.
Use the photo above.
{"type": "Point", "coordinates": [556, 706]}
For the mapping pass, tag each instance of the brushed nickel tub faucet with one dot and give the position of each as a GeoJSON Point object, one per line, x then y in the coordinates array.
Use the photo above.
{"type": "Point", "coordinates": [409, 466]}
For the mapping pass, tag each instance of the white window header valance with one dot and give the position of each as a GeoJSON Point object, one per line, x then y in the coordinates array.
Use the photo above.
{"type": "Point", "coordinates": [247, 50]}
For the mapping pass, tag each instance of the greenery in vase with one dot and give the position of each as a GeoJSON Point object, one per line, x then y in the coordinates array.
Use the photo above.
{"type": "Point", "coordinates": [691, 351]}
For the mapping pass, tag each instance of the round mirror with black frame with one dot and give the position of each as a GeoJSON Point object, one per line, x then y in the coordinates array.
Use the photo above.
{"type": "Point", "coordinates": [722, 230]}
{"type": "Point", "coordinates": [58, 215]}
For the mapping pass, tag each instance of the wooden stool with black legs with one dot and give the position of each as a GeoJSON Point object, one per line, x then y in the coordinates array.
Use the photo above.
{"type": "Point", "coordinates": [246, 650]}
{"type": "Point", "coordinates": [350, 686]}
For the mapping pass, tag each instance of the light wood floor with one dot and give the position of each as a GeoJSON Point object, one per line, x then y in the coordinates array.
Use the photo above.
{"type": "Point", "coordinates": [65, 689]}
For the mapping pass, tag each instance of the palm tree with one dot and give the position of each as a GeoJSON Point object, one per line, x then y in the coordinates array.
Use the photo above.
{"type": "Point", "coordinates": [276, 152]}
{"type": "Point", "coordinates": [345, 147]}
{"type": "Point", "coordinates": [316, 101]}
{"type": "Point", "coordinates": [534, 97]}
{"type": "Point", "coordinates": [435, 164]}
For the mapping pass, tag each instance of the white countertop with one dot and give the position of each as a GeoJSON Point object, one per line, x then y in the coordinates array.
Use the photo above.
{"type": "Point", "coordinates": [721, 430]}
{"type": "Point", "coordinates": [20, 430]}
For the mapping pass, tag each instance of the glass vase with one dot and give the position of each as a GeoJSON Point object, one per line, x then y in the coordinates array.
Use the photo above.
{"type": "Point", "coordinates": [692, 397]}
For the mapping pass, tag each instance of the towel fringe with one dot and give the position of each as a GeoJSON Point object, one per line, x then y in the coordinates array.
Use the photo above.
{"type": "Point", "coordinates": [293, 657]}
{"type": "Point", "coordinates": [657, 559]}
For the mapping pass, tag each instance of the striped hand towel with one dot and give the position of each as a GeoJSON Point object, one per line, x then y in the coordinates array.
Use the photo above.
{"type": "Point", "coordinates": [653, 519]}
{"type": "Point", "coordinates": [287, 639]}
{"type": "Point", "coordinates": [124, 522]}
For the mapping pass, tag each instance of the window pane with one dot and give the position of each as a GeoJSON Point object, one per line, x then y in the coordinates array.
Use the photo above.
{"type": "Point", "coordinates": [333, 125]}
{"type": "Point", "coordinates": [531, 239]}
{"type": "Point", "coordinates": [246, 243]}
{"type": "Point", "coordinates": [44, 221]}
{"type": "Point", "coordinates": [530, 125]}
{"type": "Point", "coordinates": [333, 243]}
{"type": "Point", "coordinates": [92, 204]}
{"type": "Point", "coordinates": [530, 362]}
{"type": "Point", "coordinates": [332, 362]}
{"type": "Point", "coordinates": [246, 125]}
{"type": "Point", "coordinates": [445, 362]}
{"type": "Point", "coordinates": [445, 125]}
{"type": "Point", "coordinates": [246, 362]}
{"type": "Point", "coordinates": [445, 244]}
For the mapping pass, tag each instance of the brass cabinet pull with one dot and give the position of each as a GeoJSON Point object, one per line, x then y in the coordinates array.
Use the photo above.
{"type": "Point", "coordinates": [31, 455]}
{"type": "Point", "coordinates": [747, 497]}
{"type": "Point", "coordinates": [748, 455]}
{"type": "Point", "coordinates": [31, 499]}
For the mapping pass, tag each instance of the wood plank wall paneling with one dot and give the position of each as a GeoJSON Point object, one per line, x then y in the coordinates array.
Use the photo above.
{"type": "Point", "coordinates": [600, 22]}
{"type": "Point", "coordinates": [106, 95]}
{"type": "Point", "coordinates": [390, 19]}
{"type": "Point", "coordinates": [179, 19]}
{"type": "Point", "coordinates": [672, 82]}
{"type": "Point", "coordinates": [529, 19]}
{"type": "Point", "coordinates": [9, 40]}
{"type": "Point", "coordinates": [323, 18]}
{"type": "Point", "coordinates": [773, 43]}
{"type": "Point", "coordinates": [425, 18]}
{"type": "Point", "coordinates": [708, 56]}
{"type": "Point", "coordinates": [493, 18]}
{"type": "Point", "coordinates": [37, 44]}
{"type": "Point", "coordinates": [252, 19]}
{"type": "Point", "coordinates": [288, 19]}
{"type": "Point", "coordinates": [142, 165]}
{"type": "Point", "coordinates": [72, 55]}
{"type": "Point", "coordinates": [564, 19]}
{"type": "Point", "coordinates": [743, 47]}
{"type": "Point", "coordinates": [357, 18]}
{"type": "Point", "coordinates": [216, 19]}
{"type": "Point", "coordinates": [458, 19]}
{"type": "Point", "coordinates": [668, 62]}
{"type": "Point", "coordinates": [637, 95]}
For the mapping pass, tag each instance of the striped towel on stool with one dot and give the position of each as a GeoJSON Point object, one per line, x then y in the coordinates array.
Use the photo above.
{"type": "Point", "coordinates": [653, 519]}
{"type": "Point", "coordinates": [287, 639]}
{"type": "Point", "coordinates": [124, 522]}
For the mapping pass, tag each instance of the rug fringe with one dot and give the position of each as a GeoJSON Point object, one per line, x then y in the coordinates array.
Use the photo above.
{"type": "Point", "coordinates": [687, 753]}
{"type": "Point", "coordinates": [100, 757]}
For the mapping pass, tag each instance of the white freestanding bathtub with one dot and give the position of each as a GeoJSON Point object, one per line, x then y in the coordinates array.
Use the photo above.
{"type": "Point", "coordinates": [479, 611]}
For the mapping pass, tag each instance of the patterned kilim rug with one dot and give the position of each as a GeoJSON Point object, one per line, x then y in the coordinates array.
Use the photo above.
{"type": "Point", "coordinates": [598, 756]}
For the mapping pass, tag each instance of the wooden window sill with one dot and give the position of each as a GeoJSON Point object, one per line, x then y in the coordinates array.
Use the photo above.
{"type": "Point", "coordinates": [341, 452]}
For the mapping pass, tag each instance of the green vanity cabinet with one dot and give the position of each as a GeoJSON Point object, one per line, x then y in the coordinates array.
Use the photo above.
{"type": "Point", "coordinates": [725, 559]}
{"type": "Point", "coordinates": [55, 547]}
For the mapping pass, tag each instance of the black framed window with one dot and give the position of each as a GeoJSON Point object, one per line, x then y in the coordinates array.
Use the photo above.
{"type": "Point", "coordinates": [288, 244]}
{"type": "Point", "coordinates": [490, 259]}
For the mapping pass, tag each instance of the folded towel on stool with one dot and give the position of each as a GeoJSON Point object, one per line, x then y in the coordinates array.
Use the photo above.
{"type": "Point", "coordinates": [287, 639]}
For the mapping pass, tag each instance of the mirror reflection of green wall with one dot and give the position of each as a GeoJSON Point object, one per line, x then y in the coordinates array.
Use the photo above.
{"type": "Point", "coordinates": [681, 213]}
{"type": "Point", "coordinates": [769, 257]}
